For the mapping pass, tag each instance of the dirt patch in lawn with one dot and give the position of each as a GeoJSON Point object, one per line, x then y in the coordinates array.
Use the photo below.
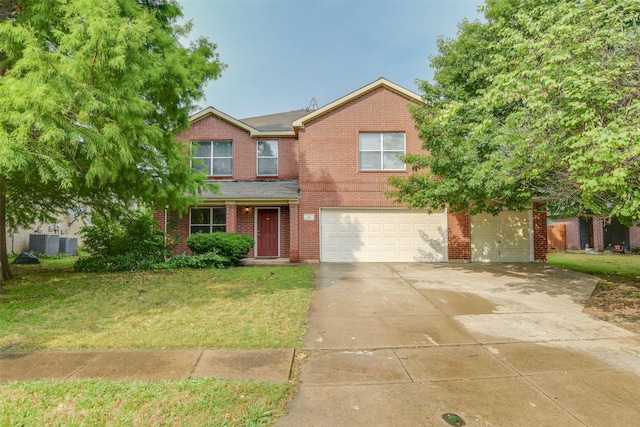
{"type": "Point", "coordinates": [616, 300]}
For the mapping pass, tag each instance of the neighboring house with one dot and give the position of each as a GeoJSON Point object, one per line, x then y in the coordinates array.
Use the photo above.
{"type": "Point", "coordinates": [598, 234]}
{"type": "Point", "coordinates": [309, 185]}
{"type": "Point", "coordinates": [65, 228]}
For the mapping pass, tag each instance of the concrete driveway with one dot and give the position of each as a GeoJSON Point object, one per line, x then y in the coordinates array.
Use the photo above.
{"type": "Point", "coordinates": [499, 345]}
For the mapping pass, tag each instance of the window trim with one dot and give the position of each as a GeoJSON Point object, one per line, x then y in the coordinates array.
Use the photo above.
{"type": "Point", "coordinates": [381, 151]}
{"type": "Point", "coordinates": [211, 224]}
{"type": "Point", "coordinates": [258, 157]}
{"type": "Point", "coordinates": [211, 157]}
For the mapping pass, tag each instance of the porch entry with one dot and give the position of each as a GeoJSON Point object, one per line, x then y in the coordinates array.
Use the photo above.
{"type": "Point", "coordinates": [268, 232]}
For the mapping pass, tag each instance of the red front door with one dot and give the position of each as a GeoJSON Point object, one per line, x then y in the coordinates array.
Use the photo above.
{"type": "Point", "coordinates": [268, 232]}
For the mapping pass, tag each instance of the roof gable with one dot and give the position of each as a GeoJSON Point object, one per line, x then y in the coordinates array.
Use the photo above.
{"type": "Point", "coordinates": [381, 82]}
{"type": "Point", "coordinates": [252, 130]}
{"type": "Point", "coordinates": [287, 124]}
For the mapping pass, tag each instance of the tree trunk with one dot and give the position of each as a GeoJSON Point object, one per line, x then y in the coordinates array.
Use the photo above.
{"type": "Point", "coordinates": [5, 271]}
{"type": "Point", "coordinates": [7, 9]}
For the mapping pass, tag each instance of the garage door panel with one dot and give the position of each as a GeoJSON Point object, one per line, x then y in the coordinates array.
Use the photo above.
{"type": "Point", "coordinates": [505, 237]}
{"type": "Point", "coordinates": [384, 235]}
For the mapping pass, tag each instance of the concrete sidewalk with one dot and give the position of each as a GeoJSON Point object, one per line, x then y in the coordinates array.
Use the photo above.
{"type": "Point", "coordinates": [500, 345]}
{"type": "Point", "coordinates": [264, 364]}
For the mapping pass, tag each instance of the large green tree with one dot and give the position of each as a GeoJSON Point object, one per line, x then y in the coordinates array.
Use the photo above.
{"type": "Point", "coordinates": [91, 95]}
{"type": "Point", "coordinates": [541, 100]}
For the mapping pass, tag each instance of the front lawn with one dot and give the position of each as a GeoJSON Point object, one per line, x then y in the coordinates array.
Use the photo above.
{"type": "Point", "coordinates": [616, 298]}
{"type": "Point", "coordinates": [601, 264]}
{"type": "Point", "coordinates": [48, 306]}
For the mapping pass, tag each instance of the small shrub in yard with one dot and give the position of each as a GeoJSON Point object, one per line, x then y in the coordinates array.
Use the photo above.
{"type": "Point", "coordinates": [230, 245]}
{"type": "Point", "coordinates": [124, 262]}
{"type": "Point", "coordinates": [207, 260]}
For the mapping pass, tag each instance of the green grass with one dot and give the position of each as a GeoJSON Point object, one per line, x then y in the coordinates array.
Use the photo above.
{"type": "Point", "coordinates": [48, 306]}
{"type": "Point", "coordinates": [625, 267]}
{"type": "Point", "coordinates": [187, 402]}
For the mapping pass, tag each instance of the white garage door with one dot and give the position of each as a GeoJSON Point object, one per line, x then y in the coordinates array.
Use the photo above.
{"type": "Point", "coordinates": [502, 238]}
{"type": "Point", "coordinates": [382, 235]}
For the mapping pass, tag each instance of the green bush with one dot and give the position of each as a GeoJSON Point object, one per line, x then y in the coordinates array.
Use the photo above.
{"type": "Point", "coordinates": [129, 243]}
{"type": "Point", "coordinates": [229, 245]}
{"type": "Point", "coordinates": [207, 260]}
{"type": "Point", "coordinates": [124, 262]}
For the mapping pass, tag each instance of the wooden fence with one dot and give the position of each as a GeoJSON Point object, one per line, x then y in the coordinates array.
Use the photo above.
{"type": "Point", "coordinates": [557, 237]}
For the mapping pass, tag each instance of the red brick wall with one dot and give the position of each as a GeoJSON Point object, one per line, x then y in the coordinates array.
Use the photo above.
{"type": "Point", "coordinates": [285, 243]}
{"type": "Point", "coordinates": [178, 231]}
{"type": "Point", "coordinates": [294, 253]}
{"type": "Point", "coordinates": [540, 244]}
{"type": "Point", "coordinates": [598, 235]}
{"type": "Point", "coordinates": [245, 224]}
{"type": "Point", "coordinates": [459, 242]}
{"type": "Point", "coordinates": [329, 159]}
{"type": "Point", "coordinates": [244, 148]}
{"type": "Point", "coordinates": [634, 237]}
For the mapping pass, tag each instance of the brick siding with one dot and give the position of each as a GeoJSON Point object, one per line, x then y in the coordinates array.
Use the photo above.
{"type": "Point", "coordinates": [634, 237]}
{"type": "Point", "coordinates": [540, 244]}
{"type": "Point", "coordinates": [244, 148]}
{"type": "Point", "coordinates": [459, 237]}
{"type": "Point", "coordinates": [329, 159]}
{"type": "Point", "coordinates": [598, 235]}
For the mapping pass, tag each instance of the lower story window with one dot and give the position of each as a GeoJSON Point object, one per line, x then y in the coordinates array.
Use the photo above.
{"type": "Point", "coordinates": [207, 220]}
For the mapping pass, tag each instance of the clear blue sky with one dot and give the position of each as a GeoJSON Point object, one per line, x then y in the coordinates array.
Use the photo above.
{"type": "Point", "coordinates": [282, 53]}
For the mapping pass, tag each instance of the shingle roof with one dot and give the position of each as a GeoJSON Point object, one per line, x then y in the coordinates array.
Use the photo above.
{"type": "Point", "coordinates": [255, 190]}
{"type": "Point", "coordinates": [275, 122]}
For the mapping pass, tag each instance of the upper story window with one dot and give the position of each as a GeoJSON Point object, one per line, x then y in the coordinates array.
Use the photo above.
{"type": "Point", "coordinates": [213, 157]}
{"type": "Point", "coordinates": [382, 150]}
{"type": "Point", "coordinates": [207, 220]}
{"type": "Point", "coordinates": [267, 157]}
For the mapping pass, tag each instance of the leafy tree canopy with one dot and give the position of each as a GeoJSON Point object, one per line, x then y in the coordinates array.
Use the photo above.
{"type": "Point", "coordinates": [91, 95]}
{"type": "Point", "coordinates": [541, 101]}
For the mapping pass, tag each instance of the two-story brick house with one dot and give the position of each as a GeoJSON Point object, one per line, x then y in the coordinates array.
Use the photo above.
{"type": "Point", "coordinates": [309, 185]}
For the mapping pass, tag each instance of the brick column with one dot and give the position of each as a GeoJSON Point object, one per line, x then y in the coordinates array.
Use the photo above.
{"type": "Point", "coordinates": [294, 252]}
{"type": "Point", "coordinates": [160, 217]}
{"type": "Point", "coordinates": [232, 217]}
{"type": "Point", "coordinates": [598, 235]}
{"type": "Point", "coordinates": [458, 235]}
{"type": "Point", "coordinates": [540, 243]}
{"type": "Point", "coordinates": [634, 237]}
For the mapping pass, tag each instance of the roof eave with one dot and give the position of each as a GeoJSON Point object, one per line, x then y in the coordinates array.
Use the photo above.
{"type": "Point", "coordinates": [264, 201]}
{"type": "Point", "coordinates": [273, 134]}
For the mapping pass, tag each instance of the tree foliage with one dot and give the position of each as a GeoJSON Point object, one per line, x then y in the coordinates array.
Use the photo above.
{"type": "Point", "coordinates": [91, 95]}
{"type": "Point", "coordinates": [539, 101]}
{"type": "Point", "coordinates": [128, 243]}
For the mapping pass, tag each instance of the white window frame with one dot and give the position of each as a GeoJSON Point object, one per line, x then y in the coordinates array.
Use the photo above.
{"type": "Point", "coordinates": [211, 224]}
{"type": "Point", "coordinates": [381, 150]}
{"type": "Point", "coordinates": [258, 157]}
{"type": "Point", "coordinates": [211, 157]}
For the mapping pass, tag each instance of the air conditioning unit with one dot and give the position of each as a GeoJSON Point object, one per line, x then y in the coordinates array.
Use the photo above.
{"type": "Point", "coordinates": [68, 245]}
{"type": "Point", "coordinates": [44, 243]}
